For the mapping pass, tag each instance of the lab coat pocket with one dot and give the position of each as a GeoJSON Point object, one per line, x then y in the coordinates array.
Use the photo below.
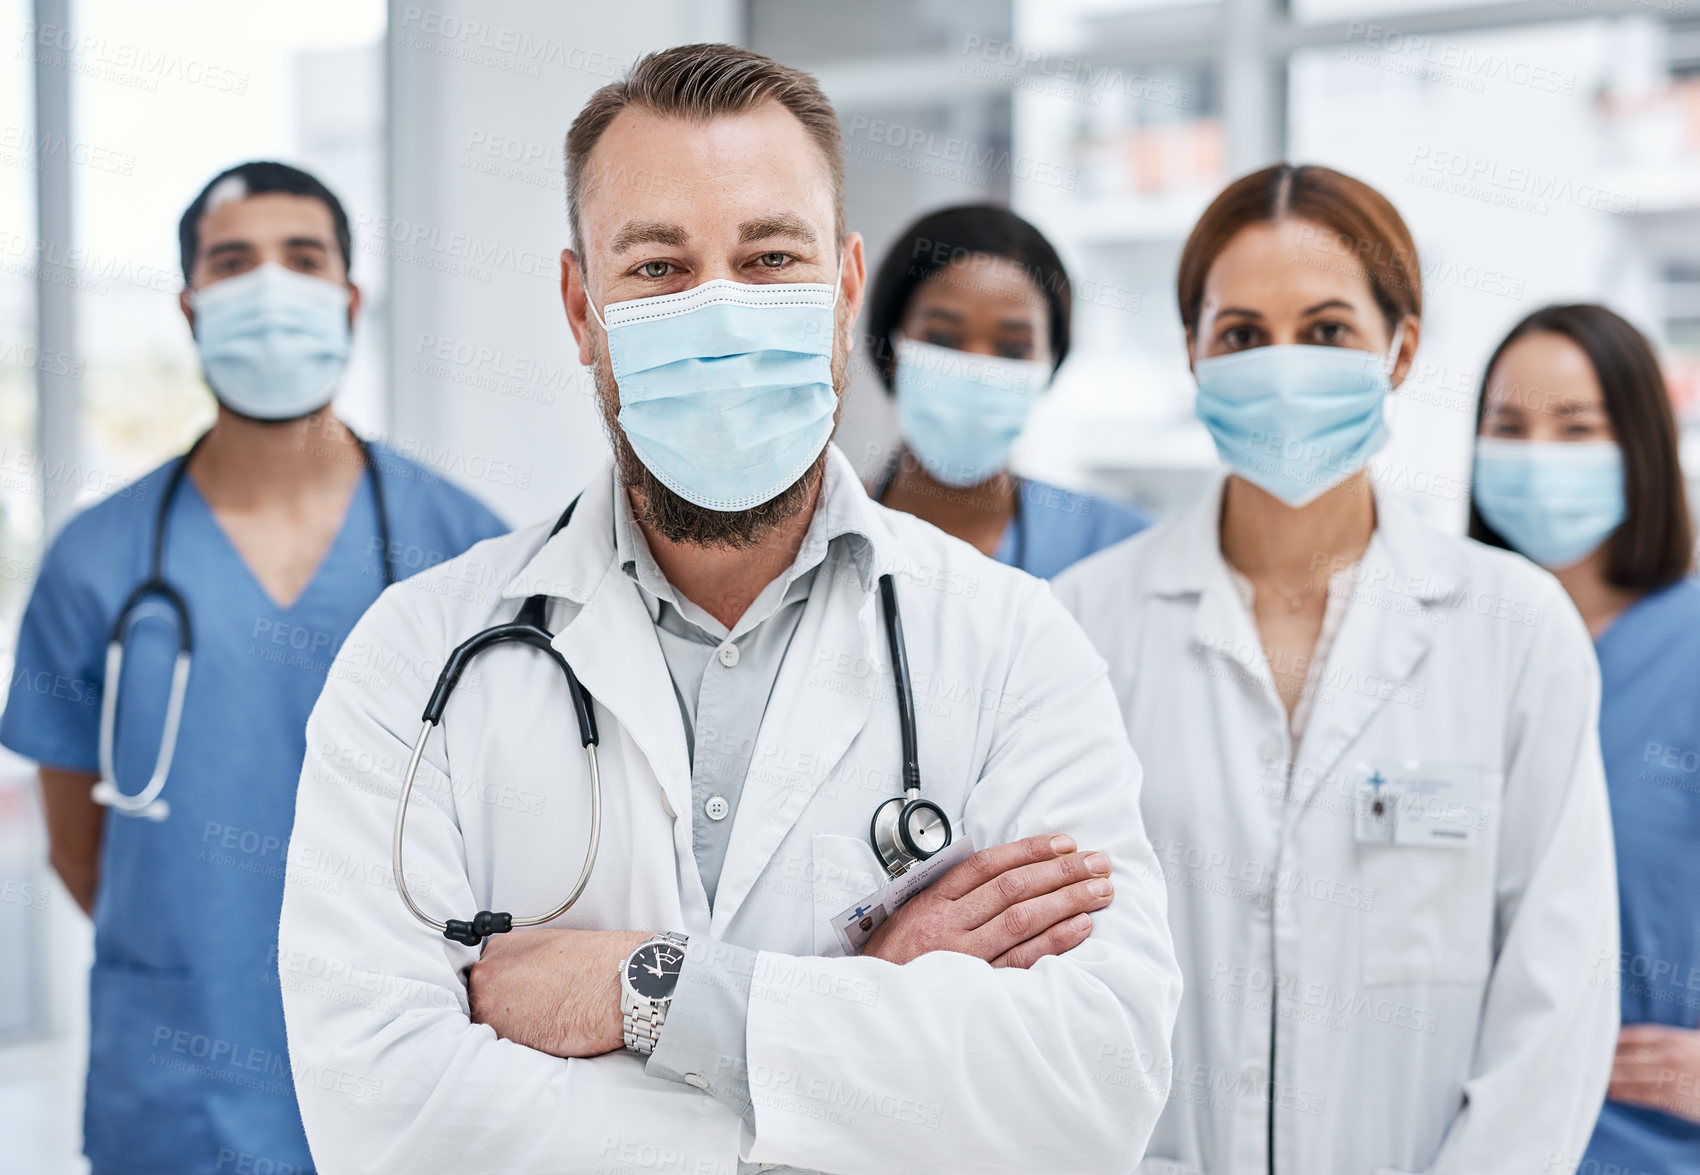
{"type": "Point", "coordinates": [844, 871]}
{"type": "Point", "coordinates": [152, 1069]}
{"type": "Point", "coordinates": [1426, 913]}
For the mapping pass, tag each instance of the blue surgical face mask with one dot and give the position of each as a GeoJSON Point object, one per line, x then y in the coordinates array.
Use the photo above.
{"type": "Point", "coordinates": [273, 342]}
{"type": "Point", "coordinates": [725, 388]}
{"type": "Point", "coordinates": [1296, 420]}
{"type": "Point", "coordinates": [1553, 501]}
{"type": "Point", "coordinates": [960, 412]}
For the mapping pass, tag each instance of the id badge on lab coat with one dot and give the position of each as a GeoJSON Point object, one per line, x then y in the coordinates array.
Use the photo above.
{"type": "Point", "coordinates": [1418, 803]}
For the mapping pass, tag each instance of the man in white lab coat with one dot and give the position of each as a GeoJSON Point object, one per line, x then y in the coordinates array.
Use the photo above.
{"type": "Point", "coordinates": [718, 593]}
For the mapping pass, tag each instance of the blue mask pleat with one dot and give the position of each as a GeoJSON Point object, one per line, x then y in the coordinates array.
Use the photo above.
{"type": "Point", "coordinates": [273, 343]}
{"type": "Point", "coordinates": [1294, 420]}
{"type": "Point", "coordinates": [730, 402]}
{"type": "Point", "coordinates": [1554, 502]}
{"type": "Point", "coordinates": [961, 418]}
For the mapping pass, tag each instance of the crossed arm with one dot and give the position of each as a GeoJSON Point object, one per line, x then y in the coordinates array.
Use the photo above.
{"type": "Point", "coordinates": [558, 991]}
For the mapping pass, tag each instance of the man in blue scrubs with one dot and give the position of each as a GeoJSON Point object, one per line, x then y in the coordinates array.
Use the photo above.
{"type": "Point", "coordinates": [274, 540]}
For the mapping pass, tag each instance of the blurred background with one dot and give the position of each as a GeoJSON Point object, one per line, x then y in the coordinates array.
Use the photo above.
{"type": "Point", "coordinates": [1541, 150]}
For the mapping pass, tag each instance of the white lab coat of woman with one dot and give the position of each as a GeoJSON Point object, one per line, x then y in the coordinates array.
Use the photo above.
{"type": "Point", "coordinates": [1437, 973]}
{"type": "Point", "coordinates": [854, 1064]}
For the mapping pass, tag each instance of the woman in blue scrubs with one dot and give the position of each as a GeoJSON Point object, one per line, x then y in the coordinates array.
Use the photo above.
{"type": "Point", "coordinates": [275, 539]}
{"type": "Point", "coordinates": [968, 319]}
{"type": "Point", "coordinates": [1576, 467]}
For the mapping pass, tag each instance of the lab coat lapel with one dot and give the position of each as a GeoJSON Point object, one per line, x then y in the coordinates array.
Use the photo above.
{"type": "Point", "coordinates": [816, 710]}
{"type": "Point", "coordinates": [611, 645]}
{"type": "Point", "coordinates": [1224, 633]}
{"type": "Point", "coordinates": [1389, 624]}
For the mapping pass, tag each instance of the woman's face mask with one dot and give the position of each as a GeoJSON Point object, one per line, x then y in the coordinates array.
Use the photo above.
{"type": "Point", "coordinates": [960, 412]}
{"type": "Point", "coordinates": [1549, 475]}
{"type": "Point", "coordinates": [1296, 420]}
{"type": "Point", "coordinates": [1554, 501]}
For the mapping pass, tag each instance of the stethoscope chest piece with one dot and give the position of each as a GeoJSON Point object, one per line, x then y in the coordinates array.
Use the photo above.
{"type": "Point", "coordinates": [907, 830]}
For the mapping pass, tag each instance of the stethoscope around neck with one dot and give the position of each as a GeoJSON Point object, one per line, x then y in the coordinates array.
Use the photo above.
{"type": "Point", "coordinates": [905, 829]}
{"type": "Point", "coordinates": [147, 803]}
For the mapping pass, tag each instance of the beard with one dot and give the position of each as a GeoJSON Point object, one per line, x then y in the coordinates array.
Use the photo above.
{"type": "Point", "coordinates": [679, 520]}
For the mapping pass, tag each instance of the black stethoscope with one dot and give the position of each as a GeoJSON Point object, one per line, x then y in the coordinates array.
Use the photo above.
{"type": "Point", "coordinates": [890, 474]}
{"type": "Point", "coordinates": [905, 829]}
{"type": "Point", "coordinates": [146, 803]}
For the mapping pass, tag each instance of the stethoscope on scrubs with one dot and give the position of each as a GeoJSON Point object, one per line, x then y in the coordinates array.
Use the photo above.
{"type": "Point", "coordinates": [147, 803]}
{"type": "Point", "coordinates": [904, 830]}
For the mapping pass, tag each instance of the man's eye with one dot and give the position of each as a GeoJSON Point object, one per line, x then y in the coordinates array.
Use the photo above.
{"type": "Point", "coordinates": [772, 260]}
{"type": "Point", "coordinates": [656, 268]}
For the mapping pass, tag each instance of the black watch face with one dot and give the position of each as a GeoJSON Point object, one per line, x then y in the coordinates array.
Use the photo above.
{"type": "Point", "coordinates": [653, 969]}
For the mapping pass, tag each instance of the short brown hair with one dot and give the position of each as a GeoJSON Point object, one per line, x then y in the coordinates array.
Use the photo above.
{"type": "Point", "coordinates": [1366, 228]}
{"type": "Point", "coordinates": [701, 82]}
{"type": "Point", "coordinates": [1655, 544]}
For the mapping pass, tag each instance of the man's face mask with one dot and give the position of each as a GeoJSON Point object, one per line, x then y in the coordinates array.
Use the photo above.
{"type": "Point", "coordinates": [726, 389]}
{"type": "Point", "coordinates": [273, 342]}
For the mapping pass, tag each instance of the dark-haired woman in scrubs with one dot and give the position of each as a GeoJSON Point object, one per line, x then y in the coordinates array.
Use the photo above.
{"type": "Point", "coordinates": [969, 315]}
{"type": "Point", "coordinates": [1576, 467]}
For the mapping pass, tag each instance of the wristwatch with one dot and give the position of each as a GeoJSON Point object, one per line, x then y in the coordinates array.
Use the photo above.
{"type": "Point", "coordinates": [647, 980]}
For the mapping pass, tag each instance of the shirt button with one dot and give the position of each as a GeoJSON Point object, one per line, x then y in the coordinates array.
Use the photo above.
{"type": "Point", "coordinates": [1260, 906]}
{"type": "Point", "coordinates": [696, 1079]}
{"type": "Point", "coordinates": [1252, 1074]}
{"type": "Point", "coordinates": [717, 807]}
{"type": "Point", "coordinates": [728, 655]}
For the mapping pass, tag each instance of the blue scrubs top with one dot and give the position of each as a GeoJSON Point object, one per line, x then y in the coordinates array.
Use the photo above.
{"type": "Point", "coordinates": [1054, 528]}
{"type": "Point", "coordinates": [188, 1068]}
{"type": "Point", "coordinates": [1650, 736]}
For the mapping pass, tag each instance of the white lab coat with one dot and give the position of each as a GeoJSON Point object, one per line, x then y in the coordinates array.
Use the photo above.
{"type": "Point", "coordinates": [1435, 1009]}
{"type": "Point", "coordinates": [856, 1065]}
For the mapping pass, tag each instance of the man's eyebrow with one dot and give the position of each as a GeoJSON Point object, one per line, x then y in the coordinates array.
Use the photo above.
{"type": "Point", "coordinates": [306, 243]}
{"type": "Point", "coordinates": [782, 224]}
{"type": "Point", "coordinates": [229, 247]}
{"type": "Point", "coordinates": [649, 232]}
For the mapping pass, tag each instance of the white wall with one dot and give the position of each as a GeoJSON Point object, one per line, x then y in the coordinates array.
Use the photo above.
{"type": "Point", "coordinates": [486, 386]}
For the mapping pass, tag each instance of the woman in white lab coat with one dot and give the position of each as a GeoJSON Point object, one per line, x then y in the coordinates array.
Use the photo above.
{"type": "Point", "coordinates": [1373, 769]}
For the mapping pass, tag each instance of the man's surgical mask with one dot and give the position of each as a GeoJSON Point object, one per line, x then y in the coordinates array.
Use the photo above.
{"type": "Point", "coordinates": [726, 388]}
{"type": "Point", "coordinates": [1296, 420]}
{"type": "Point", "coordinates": [1553, 501]}
{"type": "Point", "coordinates": [959, 412]}
{"type": "Point", "coordinates": [273, 342]}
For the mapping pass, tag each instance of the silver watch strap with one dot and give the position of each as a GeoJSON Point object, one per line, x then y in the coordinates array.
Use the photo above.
{"type": "Point", "coordinates": [643, 1023]}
